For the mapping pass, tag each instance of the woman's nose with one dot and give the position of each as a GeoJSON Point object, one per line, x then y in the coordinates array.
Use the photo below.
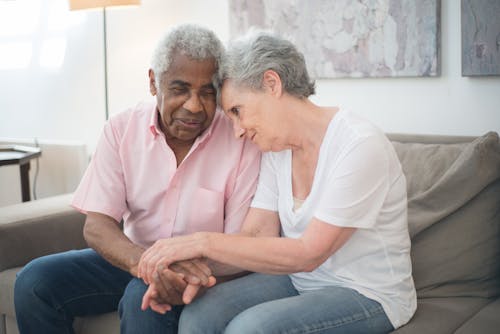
{"type": "Point", "coordinates": [238, 130]}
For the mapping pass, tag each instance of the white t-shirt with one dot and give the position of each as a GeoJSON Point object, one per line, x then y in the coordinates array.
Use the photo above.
{"type": "Point", "coordinates": [358, 183]}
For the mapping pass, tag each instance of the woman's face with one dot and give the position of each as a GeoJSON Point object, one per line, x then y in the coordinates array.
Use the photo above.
{"type": "Point", "coordinates": [253, 114]}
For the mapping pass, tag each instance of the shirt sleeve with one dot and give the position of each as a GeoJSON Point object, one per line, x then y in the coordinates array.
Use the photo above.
{"type": "Point", "coordinates": [266, 196]}
{"type": "Point", "coordinates": [236, 206]}
{"type": "Point", "coordinates": [102, 188]}
{"type": "Point", "coordinates": [356, 189]}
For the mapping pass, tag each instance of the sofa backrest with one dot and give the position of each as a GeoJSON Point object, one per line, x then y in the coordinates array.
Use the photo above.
{"type": "Point", "coordinates": [453, 213]}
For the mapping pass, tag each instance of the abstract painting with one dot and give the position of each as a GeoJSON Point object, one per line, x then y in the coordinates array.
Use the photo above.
{"type": "Point", "coordinates": [351, 38]}
{"type": "Point", "coordinates": [480, 37]}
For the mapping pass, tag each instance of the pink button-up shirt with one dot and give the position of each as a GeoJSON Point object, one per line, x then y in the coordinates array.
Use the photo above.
{"type": "Point", "coordinates": [134, 175]}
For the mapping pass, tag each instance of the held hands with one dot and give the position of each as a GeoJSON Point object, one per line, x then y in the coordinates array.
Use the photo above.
{"type": "Point", "coordinates": [173, 282]}
{"type": "Point", "coordinates": [164, 252]}
{"type": "Point", "coordinates": [177, 285]}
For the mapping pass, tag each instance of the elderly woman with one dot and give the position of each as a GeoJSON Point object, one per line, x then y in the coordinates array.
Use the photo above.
{"type": "Point", "coordinates": [326, 234]}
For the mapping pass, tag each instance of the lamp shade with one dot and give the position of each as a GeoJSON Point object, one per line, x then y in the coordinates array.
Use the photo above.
{"type": "Point", "coordinates": [86, 4]}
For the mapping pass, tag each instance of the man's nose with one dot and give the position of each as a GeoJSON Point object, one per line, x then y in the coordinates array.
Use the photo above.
{"type": "Point", "coordinates": [193, 103]}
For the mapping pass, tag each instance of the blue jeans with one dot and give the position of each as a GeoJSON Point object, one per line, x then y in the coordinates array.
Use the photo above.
{"type": "Point", "coordinates": [260, 303]}
{"type": "Point", "coordinates": [52, 290]}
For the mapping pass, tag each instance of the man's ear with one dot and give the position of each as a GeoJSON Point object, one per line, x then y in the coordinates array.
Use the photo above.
{"type": "Point", "coordinates": [271, 82]}
{"type": "Point", "coordinates": [152, 82]}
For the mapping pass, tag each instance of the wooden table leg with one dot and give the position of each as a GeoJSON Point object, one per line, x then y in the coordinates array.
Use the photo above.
{"type": "Point", "coordinates": [25, 181]}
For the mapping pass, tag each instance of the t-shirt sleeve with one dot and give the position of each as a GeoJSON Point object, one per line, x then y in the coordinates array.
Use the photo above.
{"type": "Point", "coordinates": [357, 186]}
{"type": "Point", "coordinates": [102, 188]}
{"type": "Point", "coordinates": [266, 195]}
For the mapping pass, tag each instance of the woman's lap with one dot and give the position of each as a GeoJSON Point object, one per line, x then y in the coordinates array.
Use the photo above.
{"type": "Point", "coordinates": [270, 304]}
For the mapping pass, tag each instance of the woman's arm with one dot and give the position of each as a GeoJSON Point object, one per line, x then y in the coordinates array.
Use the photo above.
{"type": "Point", "coordinates": [276, 255]}
{"type": "Point", "coordinates": [259, 248]}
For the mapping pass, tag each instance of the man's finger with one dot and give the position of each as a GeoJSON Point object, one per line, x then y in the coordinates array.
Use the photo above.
{"type": "Point", "coordinates": [160, 308]}
{"type": "Point", "coordinates": [190, 292]}
{"type": "Point", "coordinates": [170, 287]}
{"type": "Point", "coordinates": [147, 298]}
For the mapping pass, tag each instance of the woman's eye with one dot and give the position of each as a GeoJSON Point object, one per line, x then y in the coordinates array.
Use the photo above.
{"type": "Point", "coordinates": [235, 111]}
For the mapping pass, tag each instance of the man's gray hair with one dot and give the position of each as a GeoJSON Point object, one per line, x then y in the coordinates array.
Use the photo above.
{"type": "Point", "coordinates": [196, 42]}
{"type": "Point", "coordinates": [250, 56]}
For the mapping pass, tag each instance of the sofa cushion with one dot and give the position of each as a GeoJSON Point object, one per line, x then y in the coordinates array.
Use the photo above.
{"type": "Point", "coordinates": [7, 279]}
{"type": "Point", "coordinates": [453, 216]}
{"type": "Point", "coordinates": [485, 321]}
{"type": "Point", "coordinates": [442, 315]}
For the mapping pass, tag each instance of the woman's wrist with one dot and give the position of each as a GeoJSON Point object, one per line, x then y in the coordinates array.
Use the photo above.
{"type": "Point", "coordinates": [203, 243]}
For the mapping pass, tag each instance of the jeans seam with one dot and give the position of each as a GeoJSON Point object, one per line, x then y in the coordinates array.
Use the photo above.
{"type": "Point", "coordinates": [329, 324]}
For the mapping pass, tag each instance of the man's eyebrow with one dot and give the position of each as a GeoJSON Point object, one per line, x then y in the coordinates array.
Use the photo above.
{"type": "Point", "coordinates": [208, 85]}
{"type": "Point", "coordinates": [178, 83]}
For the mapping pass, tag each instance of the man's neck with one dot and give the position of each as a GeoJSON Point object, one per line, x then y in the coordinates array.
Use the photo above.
{"type": "Point", "coordinates": [180, 148]}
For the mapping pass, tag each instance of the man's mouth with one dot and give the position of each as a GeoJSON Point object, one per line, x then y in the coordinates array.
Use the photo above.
{"type": "Point", "coordinates": [190, 123]}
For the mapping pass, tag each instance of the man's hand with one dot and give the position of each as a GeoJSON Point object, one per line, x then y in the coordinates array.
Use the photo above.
{"type": "Point", "coordinates": [179, 284]}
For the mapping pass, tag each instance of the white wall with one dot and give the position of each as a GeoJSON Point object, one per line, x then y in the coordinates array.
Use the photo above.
{"type": "Point", "coordinates": [68, 103]}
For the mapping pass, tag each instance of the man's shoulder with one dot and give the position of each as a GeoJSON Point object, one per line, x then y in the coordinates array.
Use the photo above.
{"type": "Point", "coordinates": [138, 116]}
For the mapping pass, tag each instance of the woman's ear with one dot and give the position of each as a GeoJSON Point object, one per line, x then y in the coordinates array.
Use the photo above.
{"type": "Point", "coordinates": [271, 82]}
{"type": "Point", "coordinates": [152, 82]}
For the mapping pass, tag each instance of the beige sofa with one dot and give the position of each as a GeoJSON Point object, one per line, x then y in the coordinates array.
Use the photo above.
{"type": "Point", "coordinates": [454, 220]}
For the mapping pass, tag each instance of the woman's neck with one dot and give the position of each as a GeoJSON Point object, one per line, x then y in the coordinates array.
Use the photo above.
{"type": "Point", "coordinates": [308, 125]}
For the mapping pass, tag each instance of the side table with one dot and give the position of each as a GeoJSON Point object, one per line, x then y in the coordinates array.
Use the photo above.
{"type": "Point", "coordinates": [20, 155]}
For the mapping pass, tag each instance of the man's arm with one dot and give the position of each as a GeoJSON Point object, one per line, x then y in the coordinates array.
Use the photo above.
{"type": "Point", "coordinates": [103, 234]}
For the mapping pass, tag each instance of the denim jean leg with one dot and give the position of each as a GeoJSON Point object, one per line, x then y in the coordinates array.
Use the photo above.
{"type": "Point", "coordinates": [329, 310]}
{"type": "Point", "coordinates": [133, 320]}
{"type": "Point", "coordinates": [210, 313]}
{"type": "Point", "coordinates": [50, 291]}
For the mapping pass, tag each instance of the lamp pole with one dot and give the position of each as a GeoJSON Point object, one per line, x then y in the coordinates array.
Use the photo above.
{"type": "Point", "coordinates": [105, 38]}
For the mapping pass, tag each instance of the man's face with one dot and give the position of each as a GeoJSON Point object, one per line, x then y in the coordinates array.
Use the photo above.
{"type": "Point", "coordinates": [186, 98]}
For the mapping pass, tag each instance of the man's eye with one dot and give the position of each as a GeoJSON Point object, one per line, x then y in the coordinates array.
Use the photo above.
{"type": "Point", "coordinates": [178, 90]}
{"type": "Point", "coordinates": [208, 92]}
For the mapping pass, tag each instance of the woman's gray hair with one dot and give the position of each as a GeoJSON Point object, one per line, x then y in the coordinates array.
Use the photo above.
{"type": "Point", "coordinates": [250, 56]}
{"type": "Point", "coordinates": [196, 42]}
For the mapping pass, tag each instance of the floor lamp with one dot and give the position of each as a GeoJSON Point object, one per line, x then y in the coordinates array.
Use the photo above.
{"type": "Point", "coordinates": [103, 4]}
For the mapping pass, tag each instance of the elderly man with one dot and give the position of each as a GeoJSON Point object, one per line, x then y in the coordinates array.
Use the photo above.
{"type": "Point", "coordinates": [167, 168]}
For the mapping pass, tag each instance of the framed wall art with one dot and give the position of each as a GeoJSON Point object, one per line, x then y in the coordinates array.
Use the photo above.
{"type": "Point", "coordinates": [351, 38]}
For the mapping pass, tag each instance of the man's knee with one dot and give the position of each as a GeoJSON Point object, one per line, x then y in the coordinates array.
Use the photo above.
{"type": "Point", "coordinates": [132, 297]}
{"type": "Point", "coordinates": [33, 283]}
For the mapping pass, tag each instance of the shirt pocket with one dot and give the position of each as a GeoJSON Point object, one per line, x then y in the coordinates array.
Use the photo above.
{"type": "Point", "coordinates": [207, 212]}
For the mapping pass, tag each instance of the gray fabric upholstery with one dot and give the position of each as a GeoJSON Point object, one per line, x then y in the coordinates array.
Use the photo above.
{"type": "Point", "coordinates": [453, 217]}
{"type": "Point", "coordinates": [442, 178]}
{"type": "Point", "coordinates": [442, 315]}
{"type": "Point", "coordinates": [7, 279]}
{"type": "Point", "coordinates": [482, 321]}
{"type": "Point", "coordinates": [32, 229]}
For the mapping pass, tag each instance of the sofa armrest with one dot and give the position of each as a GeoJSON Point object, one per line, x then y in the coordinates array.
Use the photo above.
{"type": "Point", "coordinates": [32, 229]}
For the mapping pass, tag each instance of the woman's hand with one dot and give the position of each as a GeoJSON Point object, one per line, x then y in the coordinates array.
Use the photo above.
{"type": "Point", "coordinates": [167, 251]}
